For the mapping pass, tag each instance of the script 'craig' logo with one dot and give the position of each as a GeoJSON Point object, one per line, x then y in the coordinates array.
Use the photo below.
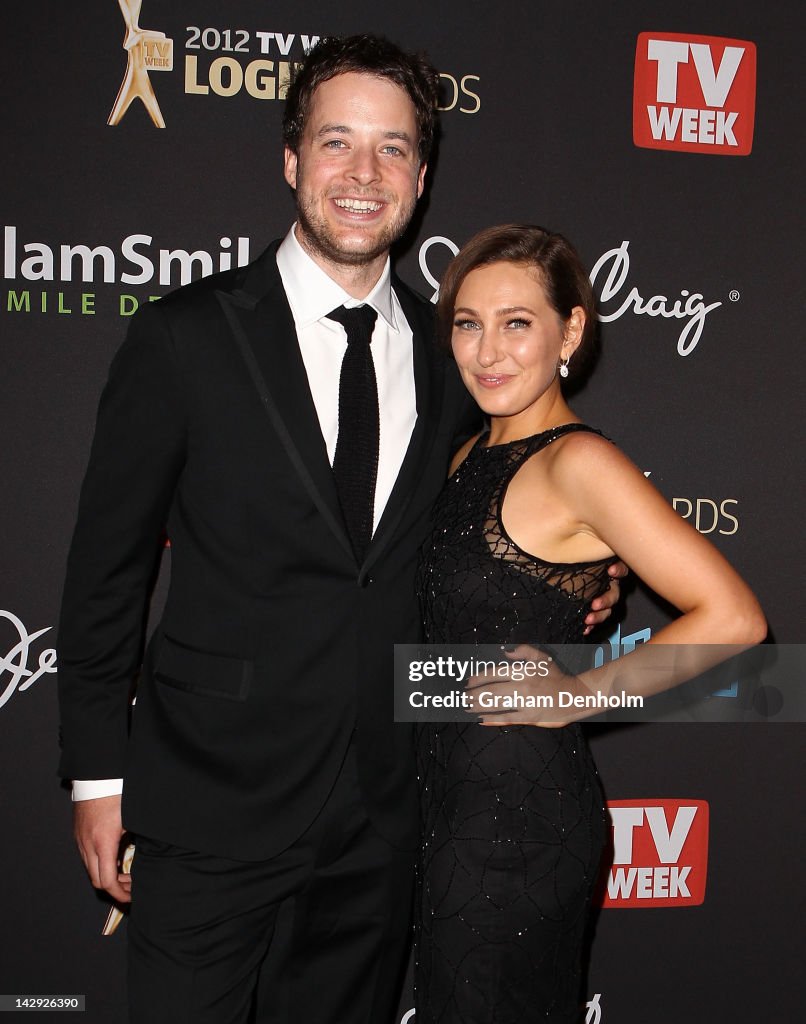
{"type": "Point", "coordinates": [15, 676]}
{"type": "Point", "coordinates": [694, 93]}
{"type": "Point", "coordinates": [660, 853]}
{"type": "Point", "coordinates": [614, 299]}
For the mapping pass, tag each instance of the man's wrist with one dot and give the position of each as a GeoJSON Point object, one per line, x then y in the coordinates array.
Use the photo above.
{"type": "Point", "coordinates": [93, 789]}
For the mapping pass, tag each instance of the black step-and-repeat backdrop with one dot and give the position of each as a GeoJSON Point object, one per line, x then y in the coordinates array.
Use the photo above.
{"type": "Point", "coordinates": [663, 137]}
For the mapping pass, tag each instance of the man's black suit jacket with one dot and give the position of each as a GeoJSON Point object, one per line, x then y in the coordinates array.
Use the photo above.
{"type": "Point", "coordinates": [275, 646]}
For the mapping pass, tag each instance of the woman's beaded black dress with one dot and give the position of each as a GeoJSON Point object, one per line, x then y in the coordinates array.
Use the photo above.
{"type": "Point", "coordinates": [513, 817]}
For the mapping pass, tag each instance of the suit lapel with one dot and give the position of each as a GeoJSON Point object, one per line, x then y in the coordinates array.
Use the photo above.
{"type": "Point", "coordinates": [263, 327]}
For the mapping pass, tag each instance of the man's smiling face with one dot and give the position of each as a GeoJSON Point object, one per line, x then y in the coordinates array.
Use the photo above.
{"type": "Point", "coordinates": [357, 172]}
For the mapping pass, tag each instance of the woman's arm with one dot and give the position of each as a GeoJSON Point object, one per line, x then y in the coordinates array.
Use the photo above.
{"type": "Point", "coordinates": [611, 497]}
{"type": "Point", "coordinates": [720, 614]}
{"type": "Point", "coordinates": [616, 505]}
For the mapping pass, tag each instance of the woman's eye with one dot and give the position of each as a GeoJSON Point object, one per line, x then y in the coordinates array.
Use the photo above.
{"type": "Point", "coordinates": [519, 322]}
{"type": "Point", "coordinates": [465, 324]}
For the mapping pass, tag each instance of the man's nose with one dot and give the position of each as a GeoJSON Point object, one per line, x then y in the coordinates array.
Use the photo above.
{"type": "Point", "coordinates": [364, 165]}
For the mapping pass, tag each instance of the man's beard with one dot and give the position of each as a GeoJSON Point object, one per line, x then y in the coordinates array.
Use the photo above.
{"type": "Point", "coordinates": [321, 241]}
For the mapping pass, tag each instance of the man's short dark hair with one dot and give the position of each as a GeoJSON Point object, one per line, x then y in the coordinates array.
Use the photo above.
{"type": "Point", "coordinates": [368, 55]}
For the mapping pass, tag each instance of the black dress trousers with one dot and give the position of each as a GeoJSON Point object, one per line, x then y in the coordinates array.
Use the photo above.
{"type": "Point", "coordinates": [339, 899]}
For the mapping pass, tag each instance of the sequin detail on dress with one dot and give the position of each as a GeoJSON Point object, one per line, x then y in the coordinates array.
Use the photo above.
{"type": "Point", "coordinates": [513, 818]}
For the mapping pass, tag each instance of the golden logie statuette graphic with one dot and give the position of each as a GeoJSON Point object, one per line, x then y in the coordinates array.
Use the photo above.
{"type": "Point", "coordinates": [115, 915]}
{"type": "Point", "coordinates": [148, 51]}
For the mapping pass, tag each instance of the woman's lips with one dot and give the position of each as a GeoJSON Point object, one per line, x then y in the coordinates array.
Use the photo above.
{"type": "Point", "coordinates": [493, 380]}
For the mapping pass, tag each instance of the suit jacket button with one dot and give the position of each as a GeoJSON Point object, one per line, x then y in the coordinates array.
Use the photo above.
{"type": "Point", "coordinates": [365, 582]}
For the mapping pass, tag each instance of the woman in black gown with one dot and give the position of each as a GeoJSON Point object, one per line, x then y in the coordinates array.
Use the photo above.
{"type": "Point", "coordinates": [513, 816]}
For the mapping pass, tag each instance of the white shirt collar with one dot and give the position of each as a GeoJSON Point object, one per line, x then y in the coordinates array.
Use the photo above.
{"type": "Point", "coordinates": [312, 294]}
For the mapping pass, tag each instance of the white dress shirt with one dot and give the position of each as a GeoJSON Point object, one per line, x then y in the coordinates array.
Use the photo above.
{"type": "Point", "coordinates": [312, 295]}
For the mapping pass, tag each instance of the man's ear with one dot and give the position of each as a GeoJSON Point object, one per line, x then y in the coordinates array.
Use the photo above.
{"type": "Point", "coordinates": [290, 166]}
{"type": "Point", "coordinates": [574, 330]}
{"type": "Point", "coordinates": [421, 179]}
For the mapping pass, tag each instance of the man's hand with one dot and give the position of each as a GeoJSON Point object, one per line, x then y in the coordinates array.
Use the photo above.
{"type": "Point", "coordinates": [98, 830]}
{"type": "Point", "coordinates": [602, 606]}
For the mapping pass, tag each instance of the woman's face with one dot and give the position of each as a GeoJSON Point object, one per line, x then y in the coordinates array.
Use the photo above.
{"type": "Point", "coordinates": [507, 340]}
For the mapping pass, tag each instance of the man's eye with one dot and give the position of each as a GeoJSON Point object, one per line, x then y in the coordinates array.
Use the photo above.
{"type": "Point", "coordinates": [393, 150]}
{"type": "Point", "coordinates": [334, 144]}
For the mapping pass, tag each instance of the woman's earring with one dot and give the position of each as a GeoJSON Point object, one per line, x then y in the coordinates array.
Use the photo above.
{"type": "Point", "coordinates": [564, 367]}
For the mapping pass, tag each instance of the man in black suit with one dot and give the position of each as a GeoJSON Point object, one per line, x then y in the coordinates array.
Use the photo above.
{"type": "Point", "coordinates": [262, 766]}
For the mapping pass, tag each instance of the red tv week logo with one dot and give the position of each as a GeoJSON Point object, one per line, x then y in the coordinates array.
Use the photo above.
{"type": "Point", "coordinates": [694, 93]}
{"type": "Point", "coordinates": [660, 853]}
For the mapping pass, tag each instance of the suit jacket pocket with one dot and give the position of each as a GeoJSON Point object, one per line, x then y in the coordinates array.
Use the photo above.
{"type": "Point", "coordinates": [202, 673]}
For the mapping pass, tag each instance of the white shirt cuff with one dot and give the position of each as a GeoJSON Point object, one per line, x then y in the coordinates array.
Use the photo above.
{"type": "Point", "coordinates": [92, 789]}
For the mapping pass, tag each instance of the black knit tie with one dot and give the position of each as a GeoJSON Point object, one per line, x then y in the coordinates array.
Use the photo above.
{"type": "Point", "coordinates": [355, 464]}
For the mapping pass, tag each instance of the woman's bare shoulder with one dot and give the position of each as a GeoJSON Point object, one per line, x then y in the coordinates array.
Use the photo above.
{"type": "Point", "coordinates": [585, 465]}
{"type": "Point", "coordinates": [585, 450]}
